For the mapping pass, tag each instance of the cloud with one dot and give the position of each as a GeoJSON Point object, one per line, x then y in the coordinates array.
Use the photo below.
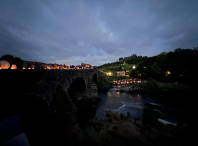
{"type": "Point", "coordinates": [95, 32]}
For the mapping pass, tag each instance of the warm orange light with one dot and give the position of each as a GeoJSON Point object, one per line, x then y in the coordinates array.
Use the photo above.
{"type": "Point", "coordinates": [23, 67]}
{"type": "Point", "coordinates": [32, 68]}
{"type": "Point", "coordinates": [0, 68]}
{"type": "Point", "coordinates": [29, 68]}
{"type": "Point", "coordinates": [118, 93]}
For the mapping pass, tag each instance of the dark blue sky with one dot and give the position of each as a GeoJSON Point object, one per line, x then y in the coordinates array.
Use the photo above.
{"type": "Point", "coordinates": [93, 31]}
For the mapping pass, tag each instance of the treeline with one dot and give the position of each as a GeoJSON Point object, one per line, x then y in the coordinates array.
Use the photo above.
{"type": "Point", "coordinates": [11, 58]}
{"type": "Point", "coordinates": [179, 65]}
{"type": "Point", "coordinates": [133, 59]}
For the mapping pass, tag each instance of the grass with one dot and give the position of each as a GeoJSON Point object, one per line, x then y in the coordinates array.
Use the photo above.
{"type": "Point", "coordinates": [173, 87]}
{"type": "Point", "coordinates": [154, 87]}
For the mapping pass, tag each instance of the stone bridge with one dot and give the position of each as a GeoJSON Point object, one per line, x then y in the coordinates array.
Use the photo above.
{"type": "Point", "coordinates": [56, 90]}
{"type": "Point", "coordinates": [46, 100]}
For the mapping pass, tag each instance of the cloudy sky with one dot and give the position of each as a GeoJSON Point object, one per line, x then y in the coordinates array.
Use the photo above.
{"type": "Point", "coordinates": [95, 31]}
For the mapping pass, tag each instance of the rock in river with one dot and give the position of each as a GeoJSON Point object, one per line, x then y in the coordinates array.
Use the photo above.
{"type": "Point", "coordinates": [153, 106]}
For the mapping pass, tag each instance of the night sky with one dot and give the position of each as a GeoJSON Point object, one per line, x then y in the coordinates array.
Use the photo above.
{"type": "Point", "coordinates": [95, 31]}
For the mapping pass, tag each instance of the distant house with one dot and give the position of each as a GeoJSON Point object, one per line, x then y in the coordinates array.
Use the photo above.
{"type": "Point", "coordinates": [88, 66]}
{"type": "Point", "coordinates": [48, 66]}
{"type": "Point", "coordinates": [120, 73]}
{"type": "Point", "coordinates": [115, 73]}
{"type": "Point", "coordinates": [79, 67]}
{"type": "Point", "coordinates": [55, 66]}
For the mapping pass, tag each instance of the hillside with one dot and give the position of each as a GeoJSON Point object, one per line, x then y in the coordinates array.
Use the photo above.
{"type": "Point", "coordinates": [124, 64]}
{"type": "Point", "coordinates": [178, 65]}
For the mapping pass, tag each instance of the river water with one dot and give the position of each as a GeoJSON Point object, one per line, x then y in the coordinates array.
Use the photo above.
{"type": "Point", "coordinates": [132, 103]}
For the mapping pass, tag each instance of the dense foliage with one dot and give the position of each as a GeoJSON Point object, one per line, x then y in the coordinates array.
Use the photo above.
{"type": "Point", "coordinates": [11, 58]}
{"type": "Point", "coordinates": [178, 65]}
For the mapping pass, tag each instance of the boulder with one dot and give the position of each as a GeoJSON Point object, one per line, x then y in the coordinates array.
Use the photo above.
{"type": "Point", "coordinates": [128, 130]}
{"type": "Point", "coordinates": [166, 122]}
{"type": "Point", "coordinates": [153, 106]}
{"type": "Point", "coordinates": [158, 113]}
{"type": "Point", "coordinates": [4, 64]}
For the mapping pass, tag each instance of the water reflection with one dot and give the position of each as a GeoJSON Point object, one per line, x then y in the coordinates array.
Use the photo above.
{"type": "Point", "coordinates": [118, 93]}
{"type": "Point", "coordinates": [123, 103]}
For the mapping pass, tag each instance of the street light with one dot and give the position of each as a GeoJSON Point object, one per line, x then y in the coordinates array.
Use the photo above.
{"type": "Point", "coordinates": [134, 67]}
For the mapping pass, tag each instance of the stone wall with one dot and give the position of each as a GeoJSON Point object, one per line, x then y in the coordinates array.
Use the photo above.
{"type": "Point", "coordinates": [47, 84]}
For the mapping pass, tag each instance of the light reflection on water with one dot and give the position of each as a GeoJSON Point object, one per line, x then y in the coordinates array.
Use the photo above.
{"type": "Point", "coordinates": [123, 103]}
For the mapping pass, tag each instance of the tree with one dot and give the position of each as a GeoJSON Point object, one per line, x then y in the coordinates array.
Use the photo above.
{"type": "Point", "coordinates": [7, 57]}
{"type": "Point", "coordinates": [83, 64]}
{"type": "Point", "coordinates": [121, 59]}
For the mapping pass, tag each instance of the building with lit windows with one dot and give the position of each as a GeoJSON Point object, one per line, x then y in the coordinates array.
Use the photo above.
{"type": "Point", "coordinates": [120, 73]}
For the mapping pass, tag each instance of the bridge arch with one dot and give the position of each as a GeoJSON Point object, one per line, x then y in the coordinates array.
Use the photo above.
{"type": "Point", "coordinates": [77, 89]}
{"type": "Point", "coordinates": [95, 79]}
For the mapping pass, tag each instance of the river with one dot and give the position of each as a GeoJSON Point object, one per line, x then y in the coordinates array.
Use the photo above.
{"type": "Point", "coordinates": [132, 103]}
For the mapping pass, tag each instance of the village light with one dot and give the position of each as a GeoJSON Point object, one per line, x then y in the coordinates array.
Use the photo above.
{"type": "Point", "coordinates": [29, 68]}
{"type": "Point", "coordinates": [168, 73]}
{"type": "Point", "coordinates": [23, 67]}
{"type": "Point", "coordinates": [134, 67]}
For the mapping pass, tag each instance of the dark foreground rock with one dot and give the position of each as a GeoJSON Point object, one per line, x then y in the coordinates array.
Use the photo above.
{"type": "Point", "coordinates": [123, 130]}
{"type": "Point", "coordinates": [119, 129]}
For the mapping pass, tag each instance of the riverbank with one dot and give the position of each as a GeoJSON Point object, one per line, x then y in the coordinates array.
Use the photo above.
{"type": "Point", "coordinates": [119, 129]}
{"type": "Point", "coordinates": [152, 87]}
